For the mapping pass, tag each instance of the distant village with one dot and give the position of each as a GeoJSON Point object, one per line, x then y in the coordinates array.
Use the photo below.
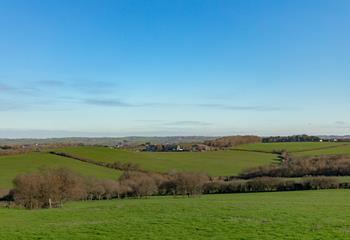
{"type": "Point", "coordinates": [148, 147]}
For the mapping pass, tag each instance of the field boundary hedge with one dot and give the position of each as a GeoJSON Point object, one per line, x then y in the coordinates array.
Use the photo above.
{"type": "Point", "coordinates": [115, 165]}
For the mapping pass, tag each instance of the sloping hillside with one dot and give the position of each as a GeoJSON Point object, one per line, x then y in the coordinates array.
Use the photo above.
{"type": "Point", "coordinates": [10, 166]}
{"type": "Point", "coordinates": [218, 163]}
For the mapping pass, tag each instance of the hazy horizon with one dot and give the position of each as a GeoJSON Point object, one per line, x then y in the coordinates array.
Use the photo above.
{"type": "Point", "coordinates": [42, 134]}
{"type": "Point", "coordinates": [160, 68]}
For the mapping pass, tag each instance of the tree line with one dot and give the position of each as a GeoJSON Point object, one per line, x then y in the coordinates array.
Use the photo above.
{"type": "Point", "coordinates": [295, 138]}
{"type": "Point", "coordinates": [50, 188]}
{"type": "Point", "coordinates": [292, 166]}
{"type": "Point", "coordinates": [231, 141]}
{"type": "Point", "coordinates": [114, 165]}
{"type": "Point", "coordinates": [270, 184]}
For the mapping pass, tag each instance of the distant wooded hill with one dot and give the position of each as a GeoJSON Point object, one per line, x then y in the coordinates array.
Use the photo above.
{"type": "Point", "coordinates": [231, 141]}
{"type": "Point", "coordinates": [295, 138]}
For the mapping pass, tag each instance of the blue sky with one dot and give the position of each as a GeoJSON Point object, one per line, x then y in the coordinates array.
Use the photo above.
{"type": "Point", "coordinates": [119, 68]}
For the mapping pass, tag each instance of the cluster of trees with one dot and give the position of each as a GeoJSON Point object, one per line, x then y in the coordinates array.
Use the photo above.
{"type": "Point", "coordinates": [231, 141]}
{"type": "Point", "coordinates": [115, 165]}
{"type": "Point", "coordinates": [46, 188]}
{"type": "Point", "coordinates": [269, 184]}
{"type": "Point", "coordinates": [143, 184]}
{"type": "Point", "coordinates": [295, 138]}
{"type": "Point", "coordinates": [336, 165]}
{"type": "Point", "coordinates": [52, 187]}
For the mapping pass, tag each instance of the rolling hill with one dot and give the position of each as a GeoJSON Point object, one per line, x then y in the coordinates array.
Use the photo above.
{"type": "Point", "coordinates": [216, 163]}
{"type": "Point", "coordinates": [10, 166]}
{"type": "Point", "coordinates": [293, 146]}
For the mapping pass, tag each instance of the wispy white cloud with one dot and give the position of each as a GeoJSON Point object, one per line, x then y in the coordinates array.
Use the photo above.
{"type": "Point", "coordinates": [101, 93]}
{"type": "Point", "coordinates": [187, 123]}
{"type": "Point", "coordinates": [107, 102]}
{"type": "Point", "coordinates": [50, 83]}
{"type": "Point", "coordinates": [341, 123]}
{"type": "Point", "coordinates": [243, 107]}
{"type": "Point", "coordinates": [81, 86]}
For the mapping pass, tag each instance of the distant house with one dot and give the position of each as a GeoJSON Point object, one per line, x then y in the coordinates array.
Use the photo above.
{"type": "Point", "coordinates": [179, 148]}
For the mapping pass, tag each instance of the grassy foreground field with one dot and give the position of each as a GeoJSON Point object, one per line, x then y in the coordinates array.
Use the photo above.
{"type": "Point", "coordinates": [217, 163]}
{"type": "Point", "coordinates": [10, 166]}
{"type": "Point", "coordinates": [280, 215]}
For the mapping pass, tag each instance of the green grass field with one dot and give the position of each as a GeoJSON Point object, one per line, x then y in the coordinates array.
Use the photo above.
{"type": "Point", "coordinates": [10, 166]}
{"type": "Point", "coordinates": [280, 215]}
{"type": "Point", "coordinates": [329, 151]}
{"type": "Point", "coordinates": [218, 163]}
{"type": "Point", "coordinates": [290, 147]}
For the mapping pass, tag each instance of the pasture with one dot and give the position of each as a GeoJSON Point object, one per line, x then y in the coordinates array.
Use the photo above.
{"type": "Point", "coordinates": [342, 149]}
{"type": "Point", "coordinates": [294, 146]}
{"type": "Point", "coordinates": [280, 215]}
{"type": "Point", "coordinates": [11, 166]}
{"type": "Point", "coordinates": [216, 163]}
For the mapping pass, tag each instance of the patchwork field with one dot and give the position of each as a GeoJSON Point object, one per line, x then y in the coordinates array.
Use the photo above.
{"type": "Point", "coordinates": [10, 166]}
{"type": "Point", "coordinates": [217, 163]}
{"type": "Point", "coordinates": [280, 215]}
